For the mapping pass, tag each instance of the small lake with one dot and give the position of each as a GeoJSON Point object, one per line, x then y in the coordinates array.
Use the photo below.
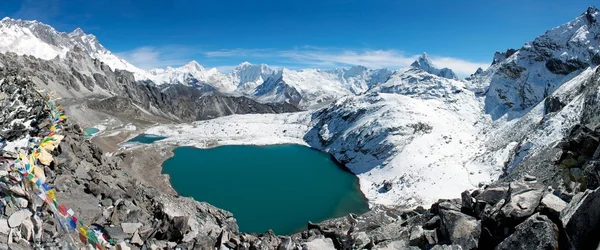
{"type": "Point", "coordinates": [88, 132]}
{"type": "Point", "coordinates": [279, 187]}
{"type": "Point", "coordinates": [145, 139]}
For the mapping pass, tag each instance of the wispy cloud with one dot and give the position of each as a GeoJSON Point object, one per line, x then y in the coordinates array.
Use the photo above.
{"type": "Point", "coordinates": [149, 57]}
{"type": "Point", "coordinates": [239, 52]}
{"type": "Point", "coordinates": [41, 10]}
{"type": "Point", "coordinates": [331, 57]}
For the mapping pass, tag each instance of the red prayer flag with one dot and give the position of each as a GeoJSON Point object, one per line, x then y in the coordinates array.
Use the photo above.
{"type": "Point", "coordinates": [62, 209]}
{"type": "Point", "coordinates": [83, 238]}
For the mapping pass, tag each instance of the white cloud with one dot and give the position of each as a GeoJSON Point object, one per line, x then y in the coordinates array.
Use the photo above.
{"type": "Point", "coordinates": [459, 66]}
{"type": "Point", "coordinates": [238, 52]}
{"type": "Point", "coordinates": [149, 57]}
{"type": "Point", "coordinates": [315, 57]}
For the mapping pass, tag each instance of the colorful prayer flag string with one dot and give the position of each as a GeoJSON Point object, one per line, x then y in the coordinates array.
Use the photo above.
{"type": "Point", "coordinates": [33, 175]}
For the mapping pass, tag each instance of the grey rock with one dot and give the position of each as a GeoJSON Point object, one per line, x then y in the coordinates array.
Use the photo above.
{"type": "Point", "coordinates": [18, 217]}
{"type": "Point", "coordinates": [417, 236]}
{"type": "Point", "coordinates": [27, 230]}
{"type": "Point", "coordinates": [552, 104]}
{"type": "Point", "coordinates": [576, 173]}
{"type": "Point", "coordinates": [106, 202]}
{"type": "Point", "coordinates": [116, 233]}
{"type": "Point", "coordinates": [552, 205]}
{"type": "Point", "coordinates": [431, 236]}
{"type": "Point", "coordinates": [467, 202]}
{"type": "Point", "coordinates": [123, 246]}
{"type": "Point", "coordinates": [446, 247]}
{"type": "Point", "coordinates": [432, 223]}
{"type": "Point", "coordinates": [558, 66]}
{"type": "Point", "coordinates": [37, 227]}
{"type": "Point", "coordinates": [4, 228]}
{"type": "Point", "coordinates": [529, 178]}
{"type": "Point", "coordinates": [130, 228]}
{"type": "Point", "coordinates": [460, 228]}
{"type": "Point", "coordinates": [361, 239]}
{"type": "Point", "coordinates": [286, 244]}
{"type": "Point", "coordinates": [136, 239]}
{"type": "Point", "coordinates": [493, 195]}
{"type": "Point", "coordinates": [450, 204]}
{"type": "Point", "coordinates": [319, 244]}
{"type": "Point", "coordinates": [524, 199]}
{"type": "Point", "coordinates": [537, 232]}
{"type": "Point", "coordinates": [21, 202]}
{"type": "Point", "coordinates": [581, 220]}
{"type": "Point", "coordinates": [592, 173]}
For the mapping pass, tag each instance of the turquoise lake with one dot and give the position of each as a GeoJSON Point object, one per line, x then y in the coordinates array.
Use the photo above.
{"type": "Point", "coordinates": [279, 187]}
{"type": "Point", "coordinates": [88, 132]}
{"type": "Point", "coordinates": [146, 138]}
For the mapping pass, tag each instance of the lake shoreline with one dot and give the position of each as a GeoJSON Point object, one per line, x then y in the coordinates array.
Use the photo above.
{"type": "Point", "coordinates": [152, 172]}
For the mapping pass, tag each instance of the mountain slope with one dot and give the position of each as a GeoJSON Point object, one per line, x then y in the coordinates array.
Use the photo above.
{"type": "Point", "coordinates": [42, 41]}
{"type": "Point", "coordinates": [519, 79]}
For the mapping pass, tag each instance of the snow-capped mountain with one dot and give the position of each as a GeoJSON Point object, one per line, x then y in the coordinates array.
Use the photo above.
{"type": "Point", "coordinates": [306, 88]}
{"type": "Point", "coordinates": [243, 79]}
{"type": "Point", "coordinates": [425, 63]}
{"type": "Point", "coordinates": [42, 41]}
{"type": "Point", "coordinates": [358, 79]}
{"type": "Point", "coordinates": [519, 79]}
{"type": "Point", "coordinates": [192, 71]}
{"type": "Point", "coordinates": [246, 76]}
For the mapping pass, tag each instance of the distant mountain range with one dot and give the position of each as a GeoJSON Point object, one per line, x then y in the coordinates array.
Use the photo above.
{"type": "Point", "coordinates": [305, 88]}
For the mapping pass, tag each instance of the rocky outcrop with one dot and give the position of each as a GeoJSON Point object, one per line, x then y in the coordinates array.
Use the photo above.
{"type": "Point", "coordinates": [560, 67]}
{"type": "Point", "coordinates": [537, 232]}
{"type": "Point", "coordinates": [581, 220]}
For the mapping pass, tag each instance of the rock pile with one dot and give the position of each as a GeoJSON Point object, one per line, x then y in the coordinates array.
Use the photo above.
{"type": "Point", "coordinates": [516, 215]}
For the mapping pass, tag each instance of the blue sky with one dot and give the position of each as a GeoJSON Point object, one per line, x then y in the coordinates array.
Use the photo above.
{"type": "Point", "coordinates": [310, 33]}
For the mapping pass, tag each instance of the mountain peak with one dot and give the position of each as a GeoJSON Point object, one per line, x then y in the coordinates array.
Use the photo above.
{"type": "Point", "coordinates": [77, 32]}
{"type": "Point", "coordinates": [193, 65]}
{"type": "Point", "coordinates": [424, 63]}
{"type": "Point", "coordinates": [591, 13]}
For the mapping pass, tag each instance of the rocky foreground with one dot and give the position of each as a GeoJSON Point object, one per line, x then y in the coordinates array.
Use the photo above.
{"type": "Point", "coordinates": [106, 194]}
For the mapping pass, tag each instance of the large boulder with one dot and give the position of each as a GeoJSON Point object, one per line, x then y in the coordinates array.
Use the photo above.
{"type": "Point", "coordinates": [537, 232]}
{"type": "Point", "coordinates": [18, 217]}
{"type": "Point", "coordinates": [581, 220]}
{"type": "Point", "coordinates": [524, 199]}
{"type": "Point", "coordinates": [460, 229]}
{"type": "Point", "coordinates": [552, 205]}
{"type": "Point", "coordinates": [319, 244]}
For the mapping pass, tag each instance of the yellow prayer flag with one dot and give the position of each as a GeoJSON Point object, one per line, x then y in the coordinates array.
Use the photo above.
{"type": "Point", "coordinates": [51, 194]}
{"type": "Point", "coordinates": [39, 173]}
{"type": "Point", "coordinates": [45, 158]}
